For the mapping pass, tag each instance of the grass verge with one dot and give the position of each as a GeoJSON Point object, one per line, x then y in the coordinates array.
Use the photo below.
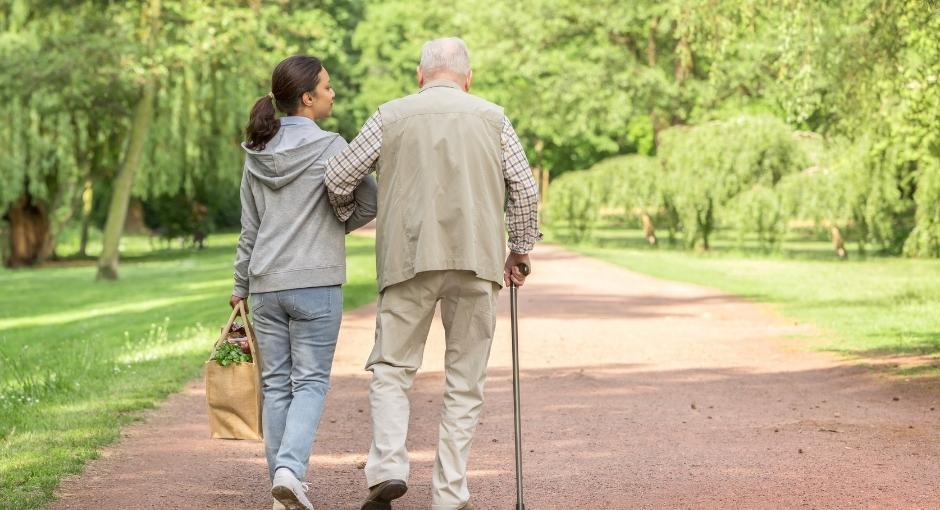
{"type": "Point", "coordinates": [79, 358]}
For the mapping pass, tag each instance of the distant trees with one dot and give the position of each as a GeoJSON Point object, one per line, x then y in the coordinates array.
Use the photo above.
{"type": "Point", "coordinates": [729, 167]}
{"type": "Point", "coordinates": [92, 90]}
{"type": "Point", "coordinates": [863, 75]}
{"type": "Point", "coordinates": [139, 99]}
{"type": "Point", "coordinates": [721, 172]}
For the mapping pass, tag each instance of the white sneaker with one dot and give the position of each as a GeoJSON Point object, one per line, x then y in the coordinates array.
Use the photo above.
{"type": "Point", "coordinates": [289, 491]}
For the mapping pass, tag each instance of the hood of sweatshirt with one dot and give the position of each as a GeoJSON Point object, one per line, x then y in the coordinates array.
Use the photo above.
{"type": "Point", "coordinates": [296, 146]}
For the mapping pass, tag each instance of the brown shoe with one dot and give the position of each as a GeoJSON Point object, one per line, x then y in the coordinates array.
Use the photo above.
{"type": "Point", "coordinates": [382, 494]}
{"type": "Point", "coordinates": [468, 506]}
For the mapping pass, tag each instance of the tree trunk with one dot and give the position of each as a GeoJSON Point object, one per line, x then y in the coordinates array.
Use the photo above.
{"type": "Point", "coordinates": [88, 197]}
{"type": "Point", "coordinates": [838, 242]}
{"type": "Point", "coordinates": [61, 210]}
{"type": "Point", "coordinates": [651, 43]}
{"type": "Point", "coordinates": [651, 62]}
{"type": "Point", "coordinates": [683, 59]}
{"type": "Point", "coordinates": [543, 186]}
{"type": "Point", "coordinates": [706, 224]}
{"type": "Point", "coordinates": [648, 231]}
{"type": "Point", "coordinates": [123, 183]}
{"type": "Point", "coordinates": [29, 231]}
{"type": "Point", "coordinates": [541, 178]}
{"type": "Point", "coordinates": [134, 222]}
{"type": "Point", "coordinates": [120, 197]}
{"type": "Point", "coordinates": [683, 67]}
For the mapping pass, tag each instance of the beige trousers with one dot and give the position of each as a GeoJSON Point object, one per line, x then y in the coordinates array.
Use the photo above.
{"type": "Point", "coordinates": [405, 310]}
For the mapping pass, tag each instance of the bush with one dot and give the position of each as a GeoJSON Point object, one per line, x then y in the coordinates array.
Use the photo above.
{"type": "Point", "coordinates": [573, 201]}
{"type": "Point", "coordinates": [709, 166]}
{"type": "Point", "coordinates": [760, 211]}
{"type": "Point", "coordinates": [924, 240]}
{"type": "Point", "coordinates": [625, 186]}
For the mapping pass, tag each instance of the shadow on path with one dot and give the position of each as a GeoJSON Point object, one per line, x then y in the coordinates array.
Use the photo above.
{"type": "Point", "coordinates": [609, 436]}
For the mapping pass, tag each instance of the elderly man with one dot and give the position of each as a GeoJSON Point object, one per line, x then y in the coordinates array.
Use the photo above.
{"type": "Point", "coordinates": [447, 161]}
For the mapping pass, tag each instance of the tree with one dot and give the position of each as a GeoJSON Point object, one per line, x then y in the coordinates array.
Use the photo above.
{"type": "Point", "coordinates": [634, 184]}
{"type": "Point", "coordinates": [140, 126]}
{"type": "Point", "coordinates": [582, 82]}
{"type": "Point", "coordinates": [920, 75]}
{"type": "Point", "coordinates": [709, 165]}
{"type": "Point", "coordinates": [61, 127]}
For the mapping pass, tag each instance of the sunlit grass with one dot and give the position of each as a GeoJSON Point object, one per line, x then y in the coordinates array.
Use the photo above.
{"type": "Point", "coordinates": [78, 358]}
{"type": "Point", "coordinates": [865, 307]}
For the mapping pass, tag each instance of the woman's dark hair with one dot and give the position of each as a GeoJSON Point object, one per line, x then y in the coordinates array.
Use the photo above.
{"type": "Point", "coordinates": [290, 79]}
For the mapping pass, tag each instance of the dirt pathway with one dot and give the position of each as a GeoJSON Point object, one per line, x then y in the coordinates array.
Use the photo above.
{"type": "Point", "coordinates": [637, 393]}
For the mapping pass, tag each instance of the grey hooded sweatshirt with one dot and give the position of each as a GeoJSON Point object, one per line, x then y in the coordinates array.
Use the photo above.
{"type": "Point", "coordinates": [290, 238]}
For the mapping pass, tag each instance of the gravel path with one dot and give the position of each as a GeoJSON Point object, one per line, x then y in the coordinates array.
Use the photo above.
{"type": "Point", "coordinates": [637, 393]}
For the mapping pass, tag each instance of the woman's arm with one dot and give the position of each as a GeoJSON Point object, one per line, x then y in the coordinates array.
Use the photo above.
{"type": "Point", "coordinates": [246, 240]}
{"type": "Point", "coordinates": [366, 198]}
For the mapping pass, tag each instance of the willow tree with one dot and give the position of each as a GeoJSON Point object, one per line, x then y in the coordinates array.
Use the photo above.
{"type": "Point", "coordinates": [634, 184]}
{"type": "Point", "coordinates": [866, 72]}
{"type": "Point", "coordinates": [579, 80]}
{"type": "Point", "coordinates": [137, 138]}
{"type": "Point", "coordinates": [213, 61]}
{"type": "Point", "coordinates": [150, 96]}
{"type": "Point", "coordinates": [62, 90]}
{"type": "Point", "coordinates": [224, 63]}
{"type": "Point", "coordinates": [709, 166]}
{"type": "Point", "coordinates": [920, 107]}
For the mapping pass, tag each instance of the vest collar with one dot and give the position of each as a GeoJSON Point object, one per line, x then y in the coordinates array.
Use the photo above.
{"type": "Point", "coordinates": [441, 83]}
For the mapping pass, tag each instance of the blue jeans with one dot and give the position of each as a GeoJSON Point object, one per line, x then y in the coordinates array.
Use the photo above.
{"type": "Point", "coordinates": [296, 332]}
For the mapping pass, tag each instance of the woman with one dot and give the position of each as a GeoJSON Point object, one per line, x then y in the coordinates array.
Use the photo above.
{"type": "Point", "coordinates": [291, 258]}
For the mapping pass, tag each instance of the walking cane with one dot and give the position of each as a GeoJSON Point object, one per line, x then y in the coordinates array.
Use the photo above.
{"type": "Point", "coordinates": [517, 415]}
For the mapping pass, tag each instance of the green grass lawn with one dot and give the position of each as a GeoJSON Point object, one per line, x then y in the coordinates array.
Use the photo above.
{"type": "Point", "coordinates": [79, 358]}
{"type": "Point", "coordinates": [866, 307]}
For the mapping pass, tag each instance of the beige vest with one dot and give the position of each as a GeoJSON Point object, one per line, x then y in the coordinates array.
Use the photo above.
{"type": "Point", "coordinates": [441, 186]}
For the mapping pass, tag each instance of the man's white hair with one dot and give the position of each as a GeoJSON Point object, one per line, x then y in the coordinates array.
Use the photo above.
{"type": "Point", "coordinates": [446, 54]}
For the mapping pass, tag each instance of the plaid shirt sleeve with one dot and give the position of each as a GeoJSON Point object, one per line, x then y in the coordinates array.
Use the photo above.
{"type": "Point", "coordinates": [347, 169]}
{"type": "Point", "coordinates": [522, 206]}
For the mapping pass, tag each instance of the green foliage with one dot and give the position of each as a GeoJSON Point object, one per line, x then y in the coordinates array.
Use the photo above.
{"type": "Point", "coordinates": [924, 240]}
{"type": "Point", "coordinates": [759, 211]}
{"type": "Point", "coordinates": [574, 201]}
{"type": "Point", "coordinates": [920, 74]}
{"type": "Point", "coordinates": [581, 81]}
{"type": "Point", "coordinates": [624, 186]}
{"type": "Point", "coordinates": [61, 88]}
{"type": "Point", "coordinates": [85, 64]}
{"type": "Point", "coordinates": [708, 166]}
{"type": "Point", "coordinates": [630, 182]}
{"type": "Point", "coordinates": [228, 353]}
{"type": "Point", "coordinates": [719, 171]}
{"type": "Point", "coordinates": [571, 75]}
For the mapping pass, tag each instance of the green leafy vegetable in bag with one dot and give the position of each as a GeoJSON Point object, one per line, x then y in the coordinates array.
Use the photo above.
{"type": "Point", "coordinates": [229, 353]}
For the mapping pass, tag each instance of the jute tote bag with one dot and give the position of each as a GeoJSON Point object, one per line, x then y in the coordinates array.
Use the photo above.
{"type": "Point", "coordinates": [233, 392]}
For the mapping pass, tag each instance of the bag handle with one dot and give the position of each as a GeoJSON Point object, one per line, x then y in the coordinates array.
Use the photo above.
{"type": "Point", "coordinates": [239, 309]}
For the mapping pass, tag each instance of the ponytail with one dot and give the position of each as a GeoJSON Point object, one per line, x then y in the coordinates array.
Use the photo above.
{"type": "Point", "coordinates": [262, 124]}
{"type": "Point", "coordinates": [290, 79]}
